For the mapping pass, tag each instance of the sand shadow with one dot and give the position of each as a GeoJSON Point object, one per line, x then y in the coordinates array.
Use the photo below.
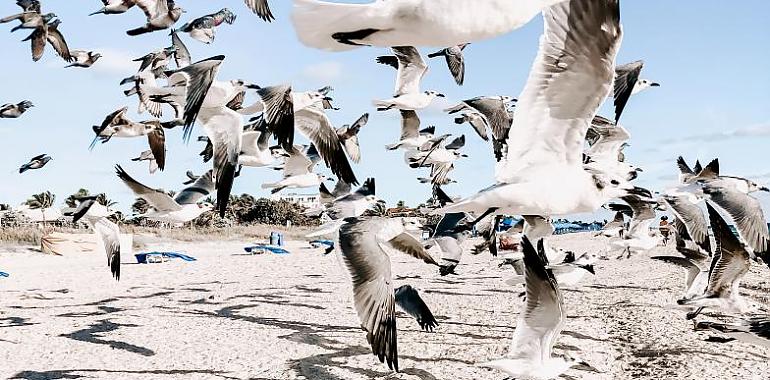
{"type": "Point", "coordinates": [72, 373]}
{"type": "Point", "coordinates": [92, 335]}
{"type": "Point", "coordinates": [16, 322]}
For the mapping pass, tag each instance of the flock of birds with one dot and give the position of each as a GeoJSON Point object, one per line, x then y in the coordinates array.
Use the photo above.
{"type": "Point", "coordinates": [548, 136]}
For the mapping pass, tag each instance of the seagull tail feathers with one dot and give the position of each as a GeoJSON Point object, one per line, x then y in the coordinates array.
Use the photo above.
{"type": "Point", "coordinates": [316, 22]}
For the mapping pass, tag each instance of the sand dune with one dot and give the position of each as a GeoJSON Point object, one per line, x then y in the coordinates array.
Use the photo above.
{"type": "Point", "coordinates": [230, 316]}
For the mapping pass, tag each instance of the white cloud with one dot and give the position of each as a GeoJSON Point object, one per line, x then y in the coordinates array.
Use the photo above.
{"type": "Point", "coordinates": [115, 61]}
{"type": "Point", "coordinates": [323, 72]}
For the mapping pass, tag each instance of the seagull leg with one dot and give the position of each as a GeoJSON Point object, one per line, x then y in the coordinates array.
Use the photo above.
{"type": "Point", "coordinates": [693, 314]}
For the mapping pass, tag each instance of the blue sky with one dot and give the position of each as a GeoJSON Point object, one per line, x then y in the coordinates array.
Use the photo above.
{"type": "Point", "coordinates": [710, 57]}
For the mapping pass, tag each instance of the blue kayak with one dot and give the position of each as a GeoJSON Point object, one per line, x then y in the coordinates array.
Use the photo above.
{"type": "Point", "coordinates": [155, 257]}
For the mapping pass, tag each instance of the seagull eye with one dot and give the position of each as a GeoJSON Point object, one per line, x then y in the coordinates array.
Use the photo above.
{"type": "Point", "coordinates": [615, 182]}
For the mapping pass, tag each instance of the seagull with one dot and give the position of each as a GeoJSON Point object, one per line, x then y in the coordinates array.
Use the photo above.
{"type": "Point", "coordinates": [755, 331]}
{"type": "Point", "coordinates": [441, 159]}
{"type": "Point", "coordinates": [454, 60]}
{"type": "Point", "coordinates": [362, 241]}
{"type": "Point", "coordinates": [106, 231]}
{"type": "Point", "coordinates": [148, 156]}
{"type": "Point", "coordinates": [203, 29]}
{"type": "Point", "coordinates": [115, 7]}
{"type": "Point", "coordinates": [729, 265]}
{"type": "Point", "coordinates": [337, 27]}
{"type": "Point", "coordinates": [83, 59]}
{"type": "Point", "coordinates": [539, 325]}
{"type": "Point", "coordinates": [477, 120]}
{"type": "Point", "coordinates": [613, 228]}
{"type": "Point", "coordinates": [48, 34]}
{"type": "Point", "coordinates": [605, 152]}
{"type": "Point", "coordinates": [29, 5]}
{"type": "Point", "coordinates": [638, 237]}
{"type": "Point", "coordinates": [313, 123]}
{"type": "Point", "coordinates": [412, 137]}
{"type": "Point", "coordinates": [116, 125]}
{"type": "Point", "coordinates": [261, 8]}
{"type": "Point", "coordinates": [182, 208]}
{"type": "Point", "coordinates": [161, 14]}
{"type": "Point", "coordinates": [348, 135]}
{"type": "Point", "coordinates": [448, 238]}
{"type": "Point", "coordinates": [255, 150]}
{"type": "Point", "coordinates": [411, 69]}
{"type": "Point", "coordinates": [156, 61]}
{"type": "Point", "coordinates": [341, 204]}
{"type": "Point", "coordinates": [495, 114]}
{"type": "Point", "coordinates": [545, 147]}
{"type": "Point", "coordinates": [13, 111]}
{"type": "Point", "coordinates": [36, 162]}
{"type": "Point", "coordinates": [696, 276]}
{"type": "Point", "coordinates": [568, 273]}
{"type": "Point", "coordinates": [627, 83]}
{"type": "Point", "coordinates": [297, 173]}
{"type": "Point", "coordinates": [29, 20]}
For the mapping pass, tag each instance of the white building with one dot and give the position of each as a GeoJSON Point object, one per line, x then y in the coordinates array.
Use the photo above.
{"type": "Point", "coordinates": [311, 201]}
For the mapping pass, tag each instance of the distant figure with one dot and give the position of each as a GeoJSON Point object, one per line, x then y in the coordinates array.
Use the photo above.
{"type": "Point", "coordinates": [664, 229]}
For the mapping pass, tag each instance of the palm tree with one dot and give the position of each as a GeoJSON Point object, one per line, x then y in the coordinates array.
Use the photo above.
{"type": "Point", "coordinates": [379, 209]}
{"type": "Point", "coordinates": [104, 201]}
{"type": "Point", "coordinates": [140, 206]}
{"type": "Point", "coordinates": [43, 200]}
{"type": "Point", "coordinates": [71, 201]}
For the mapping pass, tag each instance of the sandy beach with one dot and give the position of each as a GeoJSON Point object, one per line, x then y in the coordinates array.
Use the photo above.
{"type": "Point", "coordinates": [231, 316]}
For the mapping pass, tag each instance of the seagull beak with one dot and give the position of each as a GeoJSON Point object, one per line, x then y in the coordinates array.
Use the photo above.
{"type": "Point", "coordinates": [441, 95]}
{"type": "Point", "coordinates": [464, 155]}
{"type": "Point", "coordinates": [654, 84]}
{"type": "Point", "coordinates": [252, 86]}
{"type": "Point", "coordinates": [640, 191]}
{"type": "Point", "coordinates": [765, 189]}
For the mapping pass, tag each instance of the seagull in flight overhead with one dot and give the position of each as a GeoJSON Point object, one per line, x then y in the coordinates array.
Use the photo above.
{"type": "Point", "coordinates": [13, 111]}
{"type": "Point", "coordinates": [182, 208]}
{"type": "Point", "coordinates": [454, 60]}
{"type": "Point", "coordinates": [627, 83]}
{"type": "Point", "coordinates": [411, 69]}
{"type": "Point", "coordinates": [36, 162]}
{"type": "Point", "coordinates": [545, 146]}
{"type": "Point", "coordinates": [337, 26]}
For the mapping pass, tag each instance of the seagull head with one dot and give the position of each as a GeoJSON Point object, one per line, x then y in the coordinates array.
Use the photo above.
{"type": "Point", "coordinates": [95, 56]}
{"type": "Point", "coordinates": [643, 84]}
{"type": "Point", "coordinates": [205, 207]}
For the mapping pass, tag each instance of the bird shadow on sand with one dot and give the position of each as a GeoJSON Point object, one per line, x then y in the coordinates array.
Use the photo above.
{"type": "Point", "coordinates": [73, 373]}
{"type": "Point", "coordinates": [16, 322]}
{"type": "Point", "coordinates": [93, 332]}
{"type": "Point", "coordinates": [626, 287]}
{"type": "Point", "coordinates": [102, 310]}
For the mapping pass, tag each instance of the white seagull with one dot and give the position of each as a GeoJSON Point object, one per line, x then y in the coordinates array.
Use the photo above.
{"type": "Point", "coordinates": [411, 69]}
{"type": "Point", "coordinates": [336, 26]}
{"type": "Point", "coordinates": [106, 231]}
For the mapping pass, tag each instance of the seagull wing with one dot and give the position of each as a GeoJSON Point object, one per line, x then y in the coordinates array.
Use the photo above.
{"type": "Point", "coordinates": [198, 80]}
{"type": "Point", "coordinates": [494, 111]}
{"type": "Point", "coordinates": [692, 217]}
{"type": "Point", "coordinates": [202, 187]}
{"type": "Point", "coordinates": [406, 243]}
{"type": "Point", "coordinates": [447, 223]}
{"type": "Point", "coordinates": [730, 262]}
{"type": "Point", "coordinates": [157, 140]}
{"type": "Point", "coordinates": [571, 77]}
{"type": "Point", "coordinates": [626, 77]}
{"type": "Point", "coordinates": [109, 234]}
{"type": "Point", "coordinates": [411, 69]}
{"type": "Point", "coordinates": [410, 124]}
{"type": "Point", "coordinates": [410, 301]}
{"type": "Point", "coordinates": [158, 199]}
{"type": "Point", "coordinates": [56, 39]}
{"type": "Point", "coordinates": [315, 125]}
{"type": "Point", "coordinates": [297, 163]}
{"type": "Point", "coordinates": [182, 55]}
{"type": "Point", "coordinates": [373, 293]}
{"type": "Point", "coordinates": [537, 227]}
{"type": "Point", "coordinates": [279, 113]}
{"type": "Point", "coordinates": [225, 130]}
{"type": "Point", "coordinates": [692, 270]}
{"type": "Point", "coordinates": [745, 210]}
{"type": "Point", "coordinates": [456, 63]}
{"type": "Point", "coordinates": [261, 9]}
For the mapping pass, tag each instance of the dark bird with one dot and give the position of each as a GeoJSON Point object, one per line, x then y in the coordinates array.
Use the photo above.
{"type": "Point", "coordinates": [161, 14]}
{"type": "Point", "coordinates": [203, 29]}
{"type": "Point", "coordinates": [36, 162]}
{"type": "Point", "coordinates": [12, 111]}
{"type": "Point", "coordinates": [454, 60]}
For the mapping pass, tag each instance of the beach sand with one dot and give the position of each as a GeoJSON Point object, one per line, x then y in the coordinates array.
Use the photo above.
{"type": "Point", "coordinates": [230, 316]}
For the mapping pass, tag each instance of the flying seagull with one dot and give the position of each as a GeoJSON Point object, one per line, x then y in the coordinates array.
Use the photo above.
{"type": "Point", "coordinates": [160, 14]}
{"type": "Point", "coordinates": [755, 331]}
{"type": "Point", "coordinates": [627, 83]}
{"type": "Point", "coordinates": [361, 242]}
{"type": "Point", "coordinates": [545, 149]}
{"type": "Point", "coordinates": [36, 162]}
{"type": "Point", "coordinates": [182, 208]}
{"type": "Point", "coordinates": [348, 135]}
{"type": "Point", "coordinates": [454, 60]}
{"type": "Point", "coordinates": [539, 325]}
{"type": "Point", "coordinates": [83, 59]}
{"type": "Point", "coordinates": [203, 29]}
{"type": "Point", "coordinates": [13, 111]}
{"type": "Point", "coordinates": [411, 69]}
{"type": "Point", "coordinates": [337, 26]}
{"type": "Point", "coordinates": [106, 231]}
